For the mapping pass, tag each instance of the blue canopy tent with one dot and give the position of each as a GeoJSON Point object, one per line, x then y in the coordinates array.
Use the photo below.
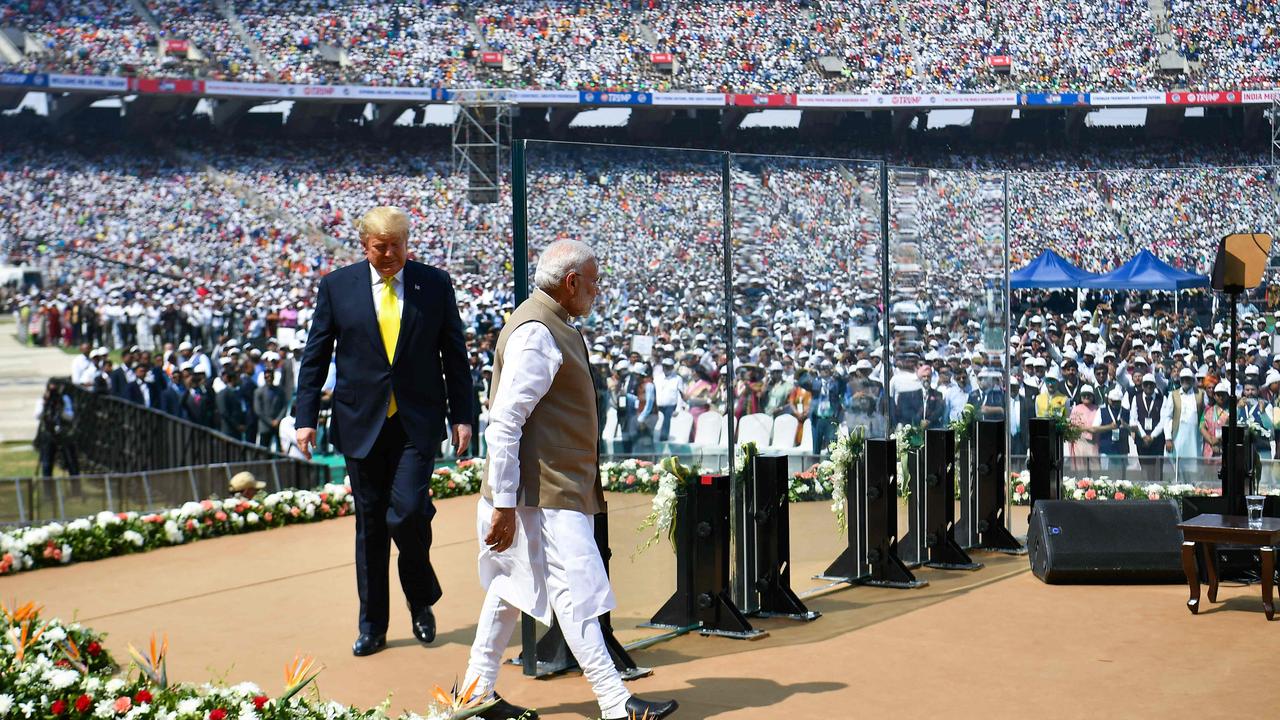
{"type": "Point", "coordinates": [1049, 271]}
{"type": "Point", "coordinates": [1148, 272]}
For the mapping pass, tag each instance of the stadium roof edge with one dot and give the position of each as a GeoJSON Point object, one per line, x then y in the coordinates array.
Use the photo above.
{"type": "Point", "coordinates": [107, 85]}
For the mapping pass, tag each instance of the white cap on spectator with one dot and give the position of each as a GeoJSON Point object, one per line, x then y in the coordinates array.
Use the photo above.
{"type": "Point", "coordinates": [1186, 373]}
{"type": "Point", "coordinates": [1148, 378]}
{"type": "Point", "coordinates": [1223, 387]}
{"type": "Point", "coordinates": [1116, 393]}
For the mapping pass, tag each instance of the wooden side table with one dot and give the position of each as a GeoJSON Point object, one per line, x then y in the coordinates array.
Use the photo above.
{"type": "Point", "coordinates": [1209, 530]}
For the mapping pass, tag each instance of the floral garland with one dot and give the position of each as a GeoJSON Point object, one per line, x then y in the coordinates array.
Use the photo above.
{"type": "Point", "coordinates": [630, 476]}
{"type": "Point", "coordinates": [963, 425]}
{"type": "Point", "coordinates": [1069, 431]}
{"type": "Point", "coordinates": [831, 475]}
{"type": "Point", "coordinates": [906, 437]}
{"type": "Point", "coordinates": [1103, 488]}
{"type": "Point", "coordinates": [108, 534]}
{"type": "Point", "coordinates": [463, 479]}
{"type": "Point", "coordinates": [673, 481]}
{"type": "Point", "coordinates": [50, 670]}
{"type": "Point", "coordinates": [742, 457]}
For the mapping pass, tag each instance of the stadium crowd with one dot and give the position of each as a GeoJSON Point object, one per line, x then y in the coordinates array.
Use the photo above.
{"type": "Point", "coordinates": [200, 262]}
{"type": "Point", "coordinates": [742, 46]}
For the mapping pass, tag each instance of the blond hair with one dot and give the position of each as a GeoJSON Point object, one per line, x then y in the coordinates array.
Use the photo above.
{"type": "Point", "coordinates": [384, 220]}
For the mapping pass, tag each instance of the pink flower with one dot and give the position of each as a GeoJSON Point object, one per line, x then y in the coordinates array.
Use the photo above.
{"type": "Point", "coordinates": [1090, 494]}
{"type": "Point", "coordinates": [1082, 484]}
{"type": "Point", "coordinates": [122, 516]}
{"type": "Point", "coordinates": [1119, 495]}
{"type": "Point", "coordinates": [324, 507]}
{"type": "Point", "coordinates": [324, 497]}
{"type": "Point", "coordinates": [267, 517]}
{"type": "Point", "coordinates": [1153, 496]}
{"type": "Point", "coordinates": [631, 479]}
{"type": "Point", "coordinates": [1020, 488]}
{"type": "Point", "coordinates": [206, 504]}
{"type": "Point", "coordinates": [220, 516]}
{"type": "Point", "coordinates": [191, 524]}
{"type": "Point", "coordinates": [123, 703]}
{"type": "Point", "coordinates": [295, 512]}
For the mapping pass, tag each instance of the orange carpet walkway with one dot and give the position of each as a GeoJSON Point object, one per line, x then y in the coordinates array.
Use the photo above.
{"type": "Point", "coordinates": [995, 643]}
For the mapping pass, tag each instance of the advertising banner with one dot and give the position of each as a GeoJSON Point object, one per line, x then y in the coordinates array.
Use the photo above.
{"type": "Point", "coordinates": [1220, 97]}
{"type": "Point", "coordinates": [769, 100]}
{"type": "Point", "coordinates": [615, 98]}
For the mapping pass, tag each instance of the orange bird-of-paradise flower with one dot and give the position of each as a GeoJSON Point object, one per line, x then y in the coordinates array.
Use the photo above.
{"type": "Point", "coordinates": [463, 704]}
{"type": "Point", "coordinates": [23, 637]}
{"type": "Point", "coordinates": [297, 674]}
{"type": "Point", "coordinates": [72, 653]}
{"type": "Point", "coordinates": [154, 665]}
{"type": "Point", "coordinates": [29, 611]}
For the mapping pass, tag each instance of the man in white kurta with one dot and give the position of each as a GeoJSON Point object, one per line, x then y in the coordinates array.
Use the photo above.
{"type": "Point", "coordinates": [534, 558]}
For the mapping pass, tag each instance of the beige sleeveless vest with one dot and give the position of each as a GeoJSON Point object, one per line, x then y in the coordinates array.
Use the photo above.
{"type": "Point", "coordinates": [559, 464]}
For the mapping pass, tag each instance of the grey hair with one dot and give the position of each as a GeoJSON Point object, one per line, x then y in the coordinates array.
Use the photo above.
{"type": "Point", "coordinates": [558, 260]}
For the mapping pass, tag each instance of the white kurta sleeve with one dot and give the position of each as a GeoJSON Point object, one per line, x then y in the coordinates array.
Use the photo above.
{"type": "Point", "coordinates": [530, 362]}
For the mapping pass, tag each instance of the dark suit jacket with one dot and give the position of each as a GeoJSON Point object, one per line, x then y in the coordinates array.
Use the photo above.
{"type": "Point", "coordinates": [232, 418]}
{"type": "Point", "coordinates": [429, 372]}
{"type": "Point", "coordinates": [268, 404]}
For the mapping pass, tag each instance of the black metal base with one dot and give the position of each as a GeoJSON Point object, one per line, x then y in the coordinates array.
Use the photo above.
{"type": "Point", "coordinates": [734, 634]}
{"type": "Point", "coordinates": [843, 568]}
{"type": "Point", "coordinates": [955, 566]}
{"type": "Point", "coordinates": [993, 535]}
{"type": "Point", "coordinates": [946, 553]}
{"type": "Point", "coordinates": [554, 657]}
{"type": "Point", "coordinates": [896, 584]}
{"type": "Point", "coordinates": [807, 616]}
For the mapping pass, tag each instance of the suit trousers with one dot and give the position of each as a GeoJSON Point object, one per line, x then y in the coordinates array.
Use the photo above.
{"type": "Point", "coordinates": [392, 490]}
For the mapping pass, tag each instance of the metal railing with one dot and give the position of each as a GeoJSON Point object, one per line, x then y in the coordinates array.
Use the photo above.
{"type": "Point", "coordinates": [25, 501]}
{"type": "Point", "coordinates": [141, 459]}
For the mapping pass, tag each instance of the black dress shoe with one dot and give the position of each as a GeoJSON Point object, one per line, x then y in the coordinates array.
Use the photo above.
{"type": "Point", "coordinates": [503, 710]}
{"type": "Point", "coordinates": [368, 644]}
{"type": "Point", "coordinates": [424, 625]}
{"type": "Point", "coordinates": [651, 709]}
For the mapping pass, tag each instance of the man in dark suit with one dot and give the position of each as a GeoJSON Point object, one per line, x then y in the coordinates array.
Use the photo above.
{"type": "Point", "coordinates": [269, 406]}
{"type": "Point", "coordinates": [401, 372]}
{"type": "Point", "coordinates": [233, 417]}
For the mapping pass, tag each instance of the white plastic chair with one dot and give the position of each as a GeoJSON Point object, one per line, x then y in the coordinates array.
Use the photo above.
{"type": "Point", "coordinates": [681, 427]}
{"type": "Point", "coordinates": [756, 428]}
{"type": "Point", "coordinates": [784, 432]}
{"type": "Point", "coordinates": [708, 429]}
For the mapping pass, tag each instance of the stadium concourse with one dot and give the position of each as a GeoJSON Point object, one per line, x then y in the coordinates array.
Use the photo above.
{"type": "Point", "coordinates": [989, 644]}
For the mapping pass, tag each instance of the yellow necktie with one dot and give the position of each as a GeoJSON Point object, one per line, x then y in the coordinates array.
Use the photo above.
{"type": "Point", "coordinates": [389, 325]}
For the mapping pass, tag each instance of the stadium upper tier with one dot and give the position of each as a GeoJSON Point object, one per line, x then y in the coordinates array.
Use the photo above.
{"type": "Point", "coordinates": [766, 46]}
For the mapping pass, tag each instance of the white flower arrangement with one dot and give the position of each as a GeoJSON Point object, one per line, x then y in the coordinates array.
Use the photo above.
{"type": "Point", "coordinates": [845, 450]}
{"type": "Point", "coordinates": [673, 479]}
{"type": "Point", "coordinates": [107, 534]}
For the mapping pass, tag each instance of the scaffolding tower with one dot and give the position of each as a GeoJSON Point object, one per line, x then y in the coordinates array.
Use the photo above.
{"type": "Point", "coordinates": [1275, 126]}
{"type": "Point", "coordinates": [481, 136]}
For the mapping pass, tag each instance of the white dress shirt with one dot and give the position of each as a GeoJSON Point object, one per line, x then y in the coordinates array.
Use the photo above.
{"type": "Point", "coordinates": [379, 286]}
{"type": "Point", "coordinates": [530, 362]}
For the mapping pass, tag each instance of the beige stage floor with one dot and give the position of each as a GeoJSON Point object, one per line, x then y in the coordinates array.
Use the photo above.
{"type": "Point", "coordinates": [995, 643]}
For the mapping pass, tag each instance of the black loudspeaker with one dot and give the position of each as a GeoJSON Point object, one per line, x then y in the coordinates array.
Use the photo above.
{"type": "Point", "coordinates": [1125, 541]}
{"type": "Point", "coordinates": [1044, 460]}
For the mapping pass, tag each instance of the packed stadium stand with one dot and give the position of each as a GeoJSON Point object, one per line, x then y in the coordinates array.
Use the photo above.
{"type": "Point", "coordinates": [742, 45]}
